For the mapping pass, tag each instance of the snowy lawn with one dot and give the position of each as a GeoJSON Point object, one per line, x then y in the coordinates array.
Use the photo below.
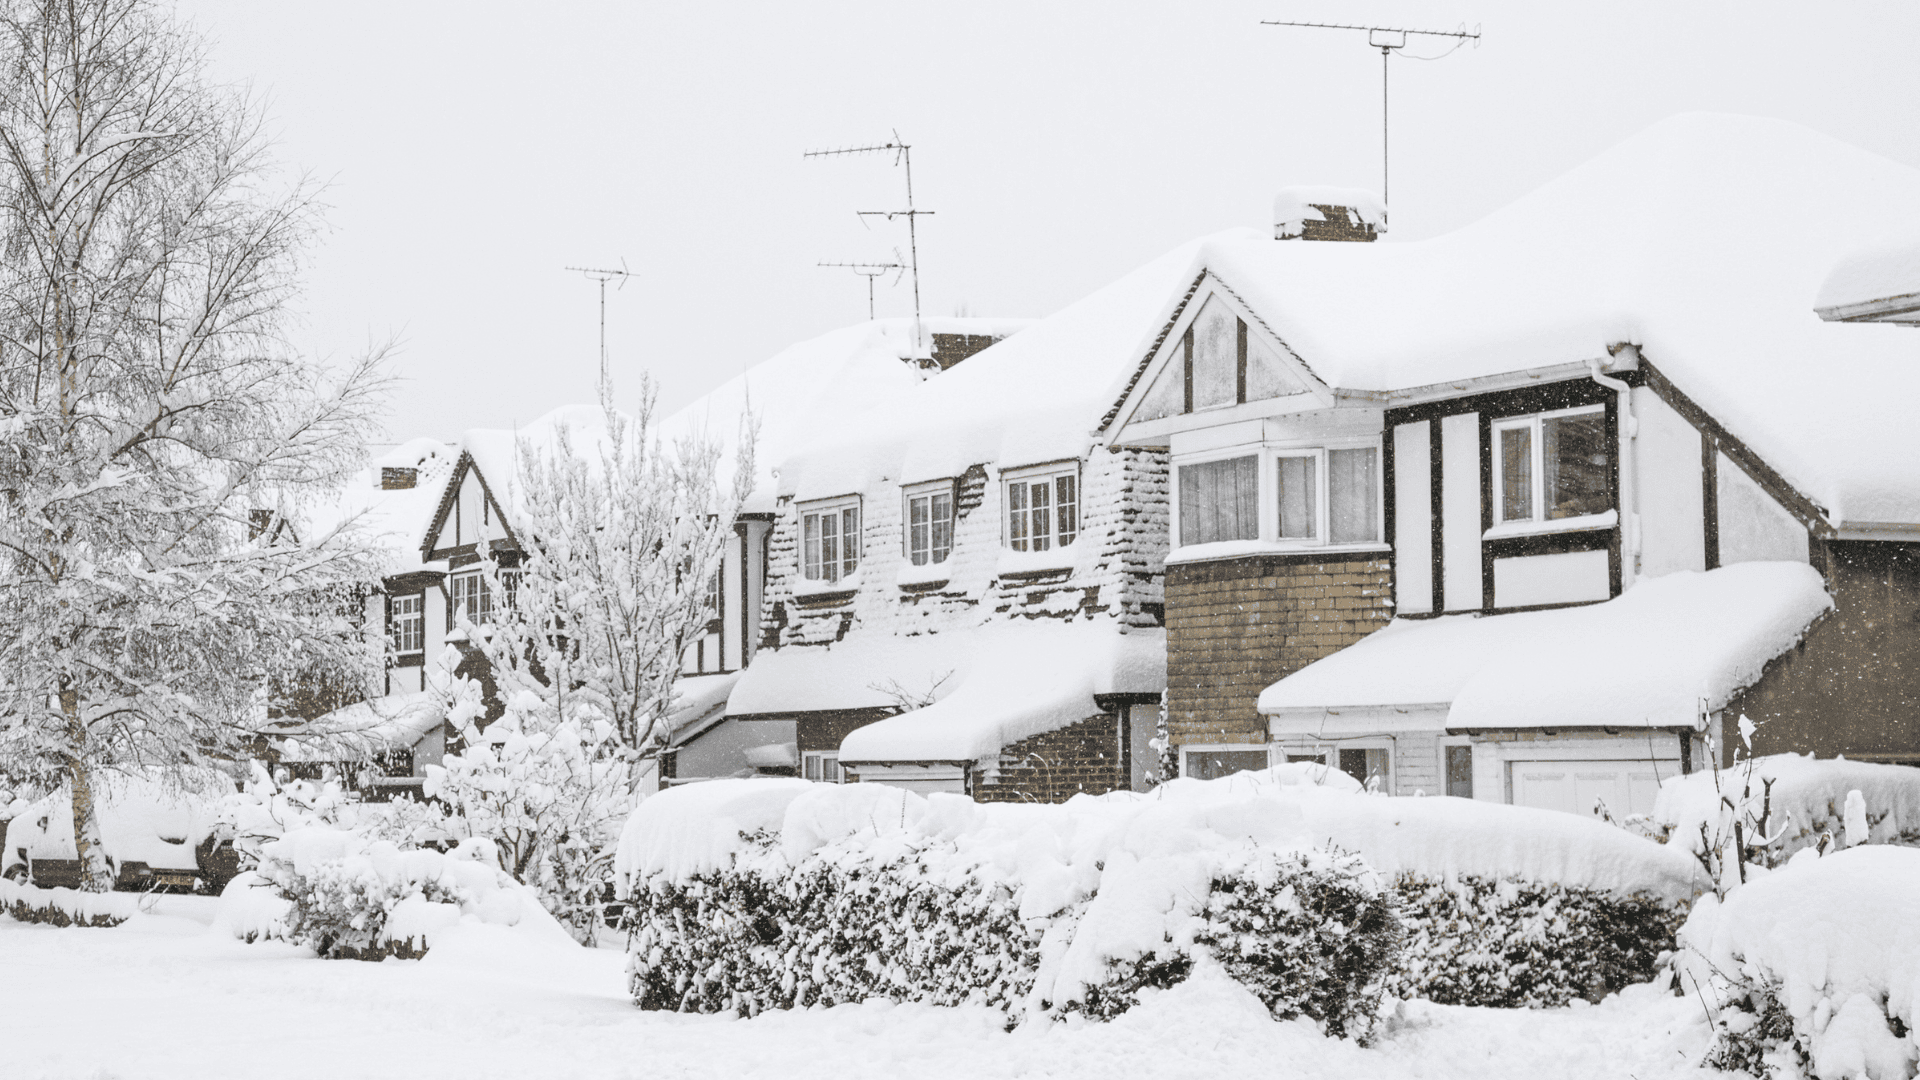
{"type": "Point", "coordinates": [160, 997]}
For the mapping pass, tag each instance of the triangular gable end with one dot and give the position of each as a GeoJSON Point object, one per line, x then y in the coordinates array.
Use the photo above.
{"type": "Point", "coordinates": [1216, 362]}
{"type": "Point", "coordinates": [467, 513]}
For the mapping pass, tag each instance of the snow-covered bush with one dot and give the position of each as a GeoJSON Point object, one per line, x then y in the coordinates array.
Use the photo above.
{"type": "Point", "coordinates": [1762, 811]}
{"type": "Point", "coordinates": [764, 893]}
{"type": "Point", "coordinates": [349, 897]}
{"type": "Point", "coordinates": [1480, 941]}
{"type": "Point", "coordinates": [1813, 968]}
{"type": "Point", "coordinates": [64, 907]}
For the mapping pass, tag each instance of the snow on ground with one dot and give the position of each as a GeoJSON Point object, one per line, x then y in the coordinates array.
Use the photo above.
{"type": "Point", "coordinates": [160, 998]}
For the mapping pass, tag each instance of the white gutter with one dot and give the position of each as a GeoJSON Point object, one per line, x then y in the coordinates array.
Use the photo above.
{"type": "Point", "coordinates": [1629, 432]}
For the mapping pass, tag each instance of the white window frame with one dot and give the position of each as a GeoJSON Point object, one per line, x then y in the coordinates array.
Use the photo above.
{"type": "Point", "coordinates": [1051, 473]}
{"type": "Point", "coordinates": [817, 765]}
{"type": "Point", "coordinates": [1187, 749]}
{"type": "Point", "coordinates": [1327, 752]}
{"type": "Point", "coordinates": [417, 618]}
{"type": "Point", "coordinates": [1267, 504]}
{"type": "Point", "coordinates": [481, 606]}
{"type": "Point", "coordinates": [836, 506]}
{"type": "Point", "coordinates": [1537, 448]}
{"type": "Point", "coordinates": [913, 492]}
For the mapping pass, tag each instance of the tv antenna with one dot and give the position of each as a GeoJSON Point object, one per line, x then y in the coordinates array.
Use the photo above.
{"type": "Point", "coordinates": [902, 155]}
{"type": "Point", "coordinates": [1387, 39]}
{"type": "Point", "coordinates": [604, 276]}
{"type": "Point", "coordinates": [869, 271]}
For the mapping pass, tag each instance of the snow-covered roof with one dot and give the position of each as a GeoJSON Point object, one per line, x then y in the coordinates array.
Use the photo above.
{"type": "Point", "coordinates": [1701, 239]}
{"type": "Point", "coordinates": [392, 520]}
{"type": "Point", "coordinates": [991, 685]}
{"type": "Point", "coordinates": [1030, 399]}
{"type": "Point", "coordinates": [1877, 283]}
{"type": "Point", "coordinates": [697, 698]}
{"type": "Point", "coordinates": [397, 721]}
{"type": "Point", "coordinates": [1651, 657]}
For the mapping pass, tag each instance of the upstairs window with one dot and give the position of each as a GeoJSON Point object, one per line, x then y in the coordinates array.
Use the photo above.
{"type": "Point", "coordinates": [1220, 500]}
{"type": "Point", "coordinates": [830, 541]}
{"type": "Point", "coordinates": [1043, 510]}
{"type": "Point", "coordinates": [930, 523]}
{"type": "Point", "coordinates": [1552, 466]}
{"type": "Point", "coordinates": [407, 623]}
{"type": "Point", "coordinates": [472, 600]}
{"type": "Point", "coordinates": [1329, 496]}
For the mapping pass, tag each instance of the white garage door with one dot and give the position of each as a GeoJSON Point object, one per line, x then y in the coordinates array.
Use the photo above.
{"type": "Point", "coordinates": [1628, 787]}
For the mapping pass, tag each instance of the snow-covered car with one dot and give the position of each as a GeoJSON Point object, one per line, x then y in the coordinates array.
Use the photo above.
{"type": "Point", "coordinates": [157, 836]}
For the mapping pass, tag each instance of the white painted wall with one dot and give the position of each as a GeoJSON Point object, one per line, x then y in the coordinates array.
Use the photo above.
{"type": "Point", "coordinates": [1753, 527]}
{"type": "Point", "coordinates": [1565, 578]}
{"type": "Point", "coordinates": [1412, 513]}
{"type": "Point", "coordinates": [1460, 509]}
{"type": "Point", "coordinates": [1668, 489]}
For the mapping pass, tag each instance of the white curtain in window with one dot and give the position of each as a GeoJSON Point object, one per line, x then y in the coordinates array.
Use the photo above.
{"type": "Point", "coordinates": [1352, 511]}
{"type": "Point", "coordinates": [1299, 489]}
{"type": "Point", "coordinates": [1220, 500]}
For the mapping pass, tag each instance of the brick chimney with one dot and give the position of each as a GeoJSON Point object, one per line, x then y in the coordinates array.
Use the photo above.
{"type": "Point", "coordinates": [1328, 213]}
{"type": "Point", "coordinates": [398, 478]}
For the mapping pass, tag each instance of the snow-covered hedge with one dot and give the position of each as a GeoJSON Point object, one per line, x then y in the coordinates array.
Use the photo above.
{"type": "Point", "coordinates": [350, 897]}
{"type": "Point", "coordinates": [1814, 968]}
{"type": "Point", "coordinates": [763, 893]}
{"type": "Point", "coordinates": [1787, 802]}
{"type": "Point", "coordinates": [65, 907]}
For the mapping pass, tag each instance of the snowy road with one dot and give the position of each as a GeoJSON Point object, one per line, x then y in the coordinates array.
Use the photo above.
{"type": "Point", "coordinates": [160, 998]}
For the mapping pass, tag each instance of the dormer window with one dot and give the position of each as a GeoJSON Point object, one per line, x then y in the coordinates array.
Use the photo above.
{"type": "Point", "coordinates": [1552, 466]}
{"type": "Point", "coordinates": [830, 540]}
{"type": "Point", "coordinates": [1043, 507]}
{"type": "Point", "coordinates": [929, 523]}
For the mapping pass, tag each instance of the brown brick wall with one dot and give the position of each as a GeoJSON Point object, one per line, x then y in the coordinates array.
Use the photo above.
{"type": "Point", "coordinates": [1055, 766]}
{"type": "Point", "coordinates": [1236, 626]}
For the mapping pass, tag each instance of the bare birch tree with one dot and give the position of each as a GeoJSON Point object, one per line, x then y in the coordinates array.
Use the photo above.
{"type": "Point", "coordinates": [151, 410]}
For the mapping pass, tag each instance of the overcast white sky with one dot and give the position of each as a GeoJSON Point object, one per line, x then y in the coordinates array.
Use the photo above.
{"type": "Point", "coordinates": [477, 148]}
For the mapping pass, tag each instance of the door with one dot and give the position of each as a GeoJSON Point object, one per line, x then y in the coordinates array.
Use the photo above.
{"type": "Point", "coordinates": [1579, 787]}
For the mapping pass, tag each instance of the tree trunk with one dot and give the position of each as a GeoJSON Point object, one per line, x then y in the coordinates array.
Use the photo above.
{"type": "Point", "coordinates": [95, 874]}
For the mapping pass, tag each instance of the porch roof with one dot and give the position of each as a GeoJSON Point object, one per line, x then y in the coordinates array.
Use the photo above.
{"type": "Point", "coordinates": [1655, 657]}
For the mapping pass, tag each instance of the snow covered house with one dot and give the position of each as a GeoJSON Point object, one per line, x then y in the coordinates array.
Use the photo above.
{"type": "Point", "coordinates": [1530, 511]}
{"type": "Point", "coordinates": [963, 592]}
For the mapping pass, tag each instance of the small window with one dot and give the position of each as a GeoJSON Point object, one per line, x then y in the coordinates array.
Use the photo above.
{"type": "Point", "coordinates": [1220, 500]}
{"type": "Point", "coordinates": [407, 623]}
{"type": "Point", "coordinates": [1460, 771]}
{"type": "Point", "coordinates": [1552, 466]}
{"type": "Point", "coordinates": [830, 542]}
{"type": "Point", "coordinates": [1211, 764]}
{"type": "Point", "coordinates": [822, 767]}
{"type": "Point", "coordinates": [1043, 512]}
{"type": "Point", "coordinates": [1368, 766]}
{"type": "Point", "coordinates": [930, 525]}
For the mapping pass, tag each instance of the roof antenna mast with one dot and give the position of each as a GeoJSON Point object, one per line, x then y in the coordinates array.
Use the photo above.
{"type": "Point", "coordinates": [1387, 39]}
{"type": "Point", "coordinates": [902, 155]}
{"type": "Point", "coordinates": [604, 276]}
{"type": "Point", "coordinates": [871, 271]}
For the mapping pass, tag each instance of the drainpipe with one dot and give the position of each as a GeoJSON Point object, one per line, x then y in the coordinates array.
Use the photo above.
{"type": "Point", "coordinates": [1629, 431]}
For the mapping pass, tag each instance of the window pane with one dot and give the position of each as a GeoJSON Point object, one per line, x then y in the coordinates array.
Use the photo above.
{"type": "Point", "coordinates": [1575, 453]}
{"type": "Point", "coordinates": [850, 539]}
{"type": "Point", "coordinates": [1351, 511]}
{"type": "Point", "coordinates": [1367, 766]}
{"type": "Point", "coordinates": [829, 546]}
{"type": "Point", "coordinates": [942, 514]}
{"type": "Point", "coordinates": [1298, 488]}
{"type": "Point", "coordinates": [1066, 509]}
{"type": "Point", "coordinates": [1017, 516]}
{"type": "Point", "coordinates": [1219, 500]}
{"type": "Point", "coordinates": [1037, 498]}
{"type": "Point", "coordinates": [919, 539]}
{"type": "Point", "coordinates": [810, 562]}
{"type": "Point", "coordinates": [1460, 771]}
{"type": "Point", "coordinates": [1216, 356]}
{"type": "Point", "coordinates": [1516, 474]}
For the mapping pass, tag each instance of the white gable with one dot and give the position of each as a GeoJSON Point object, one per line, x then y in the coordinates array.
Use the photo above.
{"type": "Point", "coordinates": [472, 517]}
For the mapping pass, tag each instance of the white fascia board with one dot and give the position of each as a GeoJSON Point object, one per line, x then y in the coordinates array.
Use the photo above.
{"type": "Point", "coordinates": [1506, 380]}
{"type": "Point", "coordinates": [1158, 432]}
{"type": "Point", "coordinates": [1904, 308]}
{"type": "Point", "coordinates": [1879, 530]}
{"type": "Point", "coordinates": [1356, 721]}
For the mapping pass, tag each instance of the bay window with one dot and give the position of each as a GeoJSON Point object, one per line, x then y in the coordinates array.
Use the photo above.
{"type": "Point", "coordinates": [1551, 466]}
{"type": "Point", "coordinates": [1220, 500]}
{"type": "Point", "coordinates": [1043, 510]}
{"type": "Point", "coordinates": [830, 541]}
{"type": "Point", "coordinates": [1313, 496]}
{"type": "Point", "coordinates": [930, 523]}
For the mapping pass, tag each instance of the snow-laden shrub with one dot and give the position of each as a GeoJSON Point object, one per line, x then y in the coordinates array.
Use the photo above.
{"type": "Point", "coordinates": [351, 897]}
{"type": "Point", "coordinates": [64, 907]}
{"type": "Point", "coordinates": [1813, 968]}
{"type": "Point", "coordinates": [1514, 944]}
